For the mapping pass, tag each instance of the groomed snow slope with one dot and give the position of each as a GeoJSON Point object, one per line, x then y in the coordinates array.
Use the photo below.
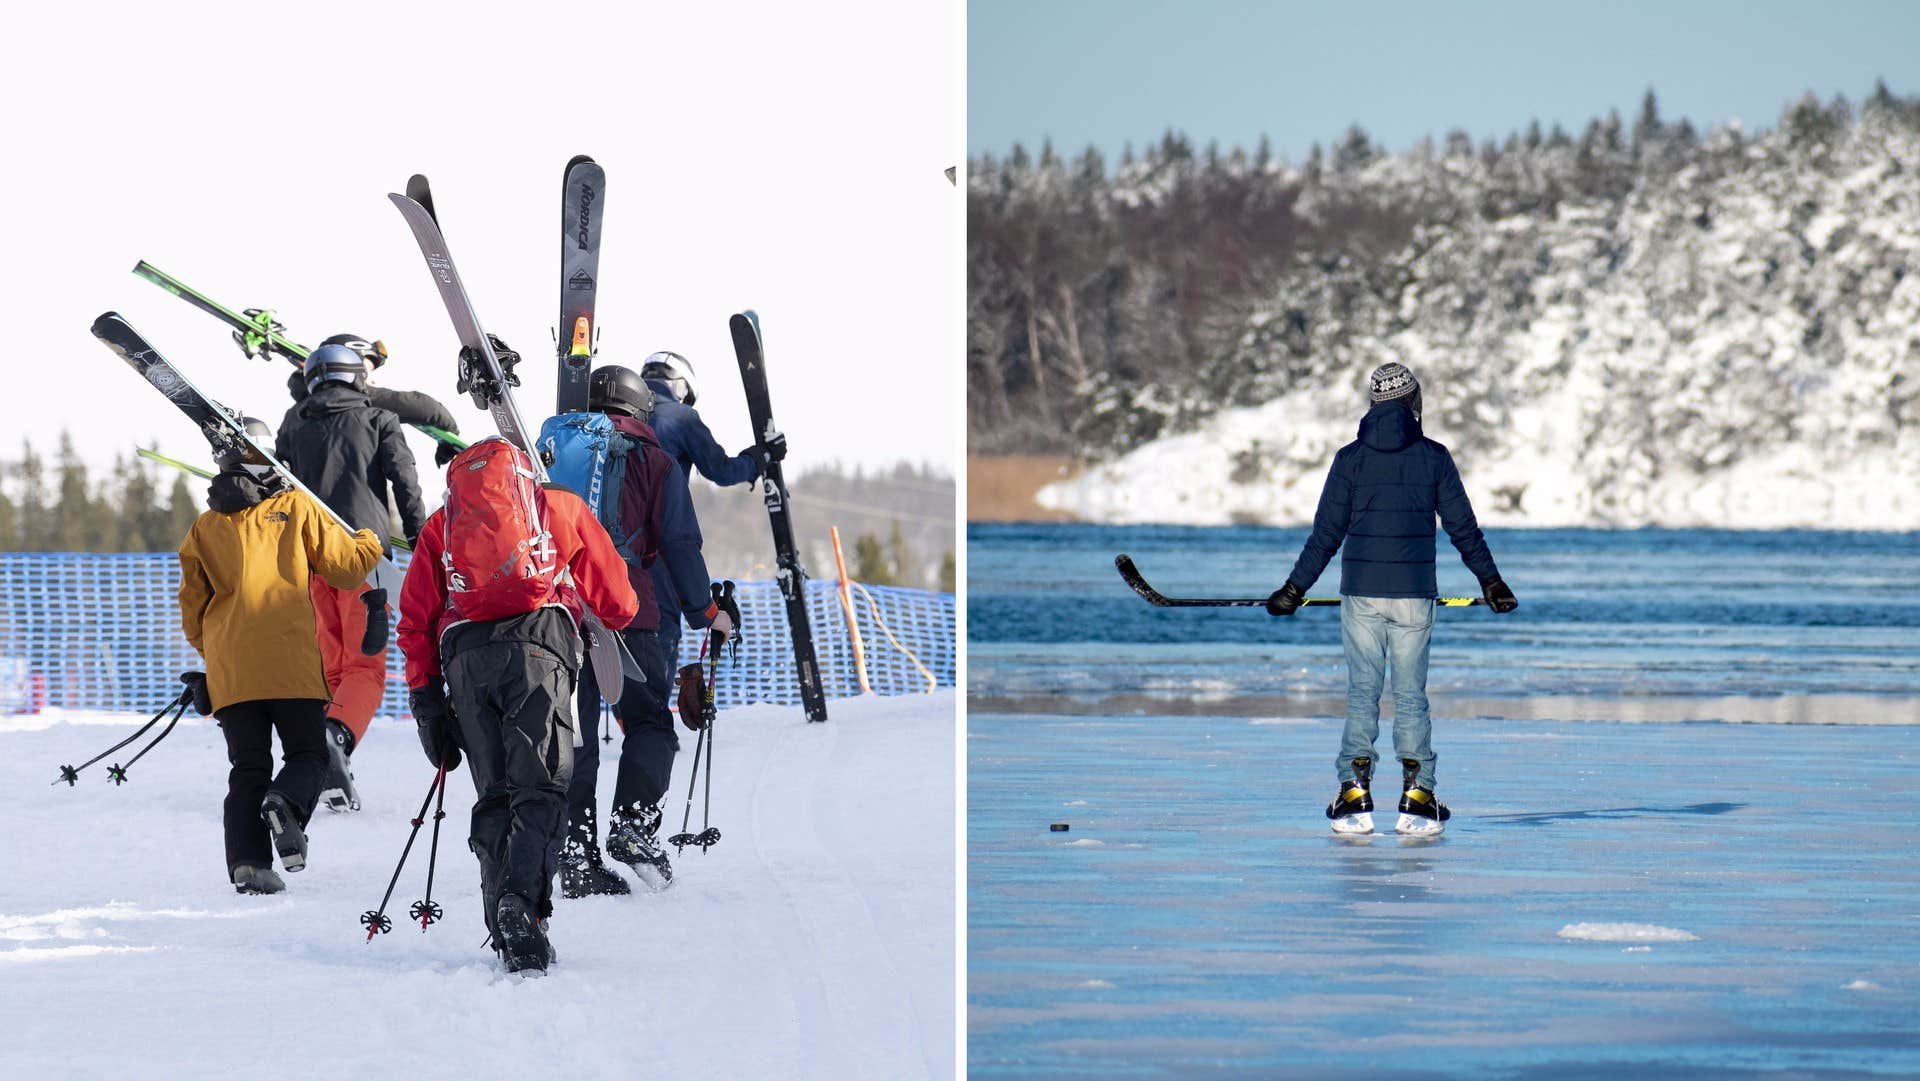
{"type": "Point", "coordinates": [815, 940]}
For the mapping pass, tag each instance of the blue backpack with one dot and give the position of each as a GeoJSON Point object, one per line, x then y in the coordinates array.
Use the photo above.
{"type": "Point", "coordinates": [586, 455]}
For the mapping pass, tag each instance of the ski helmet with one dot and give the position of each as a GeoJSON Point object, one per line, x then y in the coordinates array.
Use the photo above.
{"type": "Point", "coordinates": [613, 389]}
{"type": "Point", "coordinates": [372, 351]}
{"type": "Point", "coordinates": [233, 452]}
{"type": "Point", "coordinates": [675, 371]}
{"type": "Point", "coordinates": [335, 362]}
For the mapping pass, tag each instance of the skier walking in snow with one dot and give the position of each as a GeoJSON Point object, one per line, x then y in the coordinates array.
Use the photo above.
{"type": "Point", "coordinates": [350, 453]}
{"type": "Point", "coordinates": [652, 520]}
{"type": "Point", "coordinates": [246, 608]}
{"type": "Point", "coordinates": [1381, 497]}
{"type": "Point", "coordinates": [490, 617]}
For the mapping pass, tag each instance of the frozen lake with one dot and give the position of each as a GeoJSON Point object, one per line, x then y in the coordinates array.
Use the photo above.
{"type": "Point", "coordinates": [1675, 897]}
{"type": "Point", "coordinates": [1198, 920]}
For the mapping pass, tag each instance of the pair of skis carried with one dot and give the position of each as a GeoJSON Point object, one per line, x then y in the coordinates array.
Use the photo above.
{"type": "Point", "coordinates": [582, 207]}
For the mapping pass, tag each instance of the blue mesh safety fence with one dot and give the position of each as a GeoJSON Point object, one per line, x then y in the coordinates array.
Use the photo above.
{"type": "Point", "coordinates": [102, 631]}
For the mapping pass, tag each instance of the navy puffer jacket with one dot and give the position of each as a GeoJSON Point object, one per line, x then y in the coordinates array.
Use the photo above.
{"type": "Point", "coordinates": [1381, 498]}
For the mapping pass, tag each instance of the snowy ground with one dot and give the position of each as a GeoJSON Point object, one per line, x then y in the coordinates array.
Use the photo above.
{"type": "Point", "coordinates": [1610, 900]}
{"type": "Point", "coordinates": [815, 941]}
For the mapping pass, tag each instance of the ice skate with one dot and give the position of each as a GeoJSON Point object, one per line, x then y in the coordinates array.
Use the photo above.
{"type": "Point", "coordinates": [1421, 812]}
{"type": "Point", "coordinates": [1352, 808]}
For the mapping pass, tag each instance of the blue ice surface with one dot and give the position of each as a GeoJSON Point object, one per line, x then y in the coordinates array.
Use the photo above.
{"type": "Point", "coordinates": [1198, 919]}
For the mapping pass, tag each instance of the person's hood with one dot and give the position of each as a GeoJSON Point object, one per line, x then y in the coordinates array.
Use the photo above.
{"type": "Point", "coordinates": [1390, 426]}
{"type": "Point", "coordinates": [632, 426]}
{"type": "Point", "coordinates": [333, 396]}
{"type": "Point", "coordinates": [236, 490]}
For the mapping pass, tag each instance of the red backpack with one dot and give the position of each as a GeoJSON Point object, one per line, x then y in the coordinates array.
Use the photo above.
{"type": "Point", "coordinates": [498, 557]}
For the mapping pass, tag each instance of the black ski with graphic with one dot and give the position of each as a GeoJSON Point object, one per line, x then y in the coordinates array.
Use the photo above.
{"type": "Point", "coordinates": [748, 347]}
{"type": "Point", "coordinates": [582, 196]}
{"type": "Point", "coordinates": [221, 427]}
{"type": "Point", "coordinates": [482, 375]}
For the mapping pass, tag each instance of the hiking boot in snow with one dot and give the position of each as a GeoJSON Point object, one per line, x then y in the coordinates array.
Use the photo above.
{"type": "Point", "coordinates": [582, 874]}
{"type": "Point", "coordinates": [521, 942]}
{"type": "Point", "coordinates": [288, 838]}
{"type": "Point", "coordinates": [337, 792]}
{"type": "Point", "coordinates": [1420, 810]}
{"type": "Point", "coordinates": [252, 878]}
{"type": "Point", "coordinates": [1352, 807]}
{"type": "Point", "coordinates": [633, 840]}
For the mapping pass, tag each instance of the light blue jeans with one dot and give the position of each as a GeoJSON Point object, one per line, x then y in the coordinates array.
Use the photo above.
{"type": "Point", "coordinates": [1382, 634]}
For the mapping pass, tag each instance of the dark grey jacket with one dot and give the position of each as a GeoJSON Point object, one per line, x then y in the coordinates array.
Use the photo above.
{"type": "Point", "coordinates": [349, 452]}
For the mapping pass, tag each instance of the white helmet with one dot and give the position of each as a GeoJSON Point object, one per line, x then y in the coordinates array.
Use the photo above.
{"type": "Point", "coordinates": [675, 371]}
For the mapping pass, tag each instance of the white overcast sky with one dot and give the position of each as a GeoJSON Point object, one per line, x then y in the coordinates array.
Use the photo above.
{"type": "Point", "coordinates": [784, 157]}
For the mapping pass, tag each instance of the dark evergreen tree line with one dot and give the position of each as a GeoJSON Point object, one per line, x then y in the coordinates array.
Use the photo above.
{"type": "Point", "coordinates": [62, 506]}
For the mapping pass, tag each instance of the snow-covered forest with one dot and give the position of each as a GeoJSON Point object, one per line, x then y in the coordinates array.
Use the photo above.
{"type": "Point", "coordinates": [1646, 322]}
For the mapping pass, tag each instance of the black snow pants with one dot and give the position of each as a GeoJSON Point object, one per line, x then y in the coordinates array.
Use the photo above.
{"type": "Point", "coordinates": [512, 700]}
{"type": "Point", "coordinates": [647, 743]}
{"type": "Point", "coordinates": [249, 728]}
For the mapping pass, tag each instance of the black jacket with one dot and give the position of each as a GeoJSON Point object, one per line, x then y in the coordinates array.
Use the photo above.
{"type": "Point", "coordinates": [1382, 495]}
{"type": "Point", "coordinates": [349, 451]}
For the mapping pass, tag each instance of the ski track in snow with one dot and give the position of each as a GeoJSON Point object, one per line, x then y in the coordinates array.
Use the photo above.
{"type": "Point", "coordinates": [815, 940]}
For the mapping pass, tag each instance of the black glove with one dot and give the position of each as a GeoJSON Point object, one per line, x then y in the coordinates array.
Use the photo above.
{"type": "Point", "coordinates": [1285, 599]}
{"type": "Point", "coordinates": [374, 641]}
{"type": "Point", "coordinates": [434, 719]}
{"type": "Point", "coordinates": [197, 687]}
{"type": "Point", "coordinates": [444, 453]}
{"type": "Point", "coordinates": [775, 447]}
{"type": "Point", "coordinates": [1498, 596]}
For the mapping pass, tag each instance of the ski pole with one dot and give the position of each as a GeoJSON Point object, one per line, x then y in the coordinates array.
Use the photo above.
{"type": "Point", "coordinates": [177, 706]}
{"type": "Point", "coordinates": [426, 911]}
{"type": "Point", "coordinates": [117, 773]}
{"type": "Point", "coordinates": [708, 835]}
{"type": "Point", "coordinates": [375, 919]}
{"type": "Point", "coordinates": [682, 839]}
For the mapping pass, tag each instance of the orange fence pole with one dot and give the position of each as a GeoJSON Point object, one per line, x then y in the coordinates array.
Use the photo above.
{"type": "Point", "coordinates": [846, 603]}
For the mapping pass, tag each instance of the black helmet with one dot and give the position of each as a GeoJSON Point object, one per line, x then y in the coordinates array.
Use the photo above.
{"type": "Point", "coordinates": [335, 361]}
{"type": "Point", "coordinates": [614, 389]}
{"type": "Point", "coordinates": [231, 452]}
{"type": "Point", "coordinates": [675, 371]}
{"type": "Point", "coordinates": [373, 352]}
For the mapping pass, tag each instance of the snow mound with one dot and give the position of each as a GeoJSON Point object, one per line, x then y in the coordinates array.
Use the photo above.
{"type": "Point", "coordinates": [1625, 932]}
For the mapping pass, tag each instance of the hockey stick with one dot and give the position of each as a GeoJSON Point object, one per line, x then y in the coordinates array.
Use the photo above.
{"type": "Point", "coordinates": [1131, 575]}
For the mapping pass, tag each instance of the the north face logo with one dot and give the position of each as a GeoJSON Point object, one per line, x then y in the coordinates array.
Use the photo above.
{"type": "Point", "coordinates": [276, 516]}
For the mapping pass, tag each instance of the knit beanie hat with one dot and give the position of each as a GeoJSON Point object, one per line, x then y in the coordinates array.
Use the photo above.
{"type": "Point", "coordinates": [1391, 380]}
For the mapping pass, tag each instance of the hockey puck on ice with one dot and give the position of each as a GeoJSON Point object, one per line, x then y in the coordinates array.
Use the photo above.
{"type": "Point", "coordinates": [1058, 827]}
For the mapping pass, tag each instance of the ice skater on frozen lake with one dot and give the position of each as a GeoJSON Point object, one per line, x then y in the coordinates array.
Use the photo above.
{"type": "Point", "coordinates": [1381, 497]}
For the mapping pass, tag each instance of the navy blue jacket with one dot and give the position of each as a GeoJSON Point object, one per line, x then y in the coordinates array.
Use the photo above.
{"type": "Point", "coordinates": [674, 565]}
{"type": "Point", "coordinates": [1381, 497]}
{"type": "Point", "coordinates": [685, 436]}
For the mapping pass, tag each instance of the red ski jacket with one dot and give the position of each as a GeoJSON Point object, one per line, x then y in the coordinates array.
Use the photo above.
{"type": "Point", "coordinates": [599, 579]}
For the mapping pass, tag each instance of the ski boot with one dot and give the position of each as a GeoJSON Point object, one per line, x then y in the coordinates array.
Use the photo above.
{"type": "Point", "coordinates": [520, 941]}
{"type": "Point", "coordinates": [632, 838]}
{"type": "Point", "coordinates": [1352, 808]}
{"type": "Point", "coordinates": [337, 791]}
{"type": "Point", "coordinates": [252, 878]}
{"type": "Point", "coordinates": [582, 874]}
{"type": "Point", "coordinates": [288, 838]}
{"type": "Point", "coordinates": [1421, 812]}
